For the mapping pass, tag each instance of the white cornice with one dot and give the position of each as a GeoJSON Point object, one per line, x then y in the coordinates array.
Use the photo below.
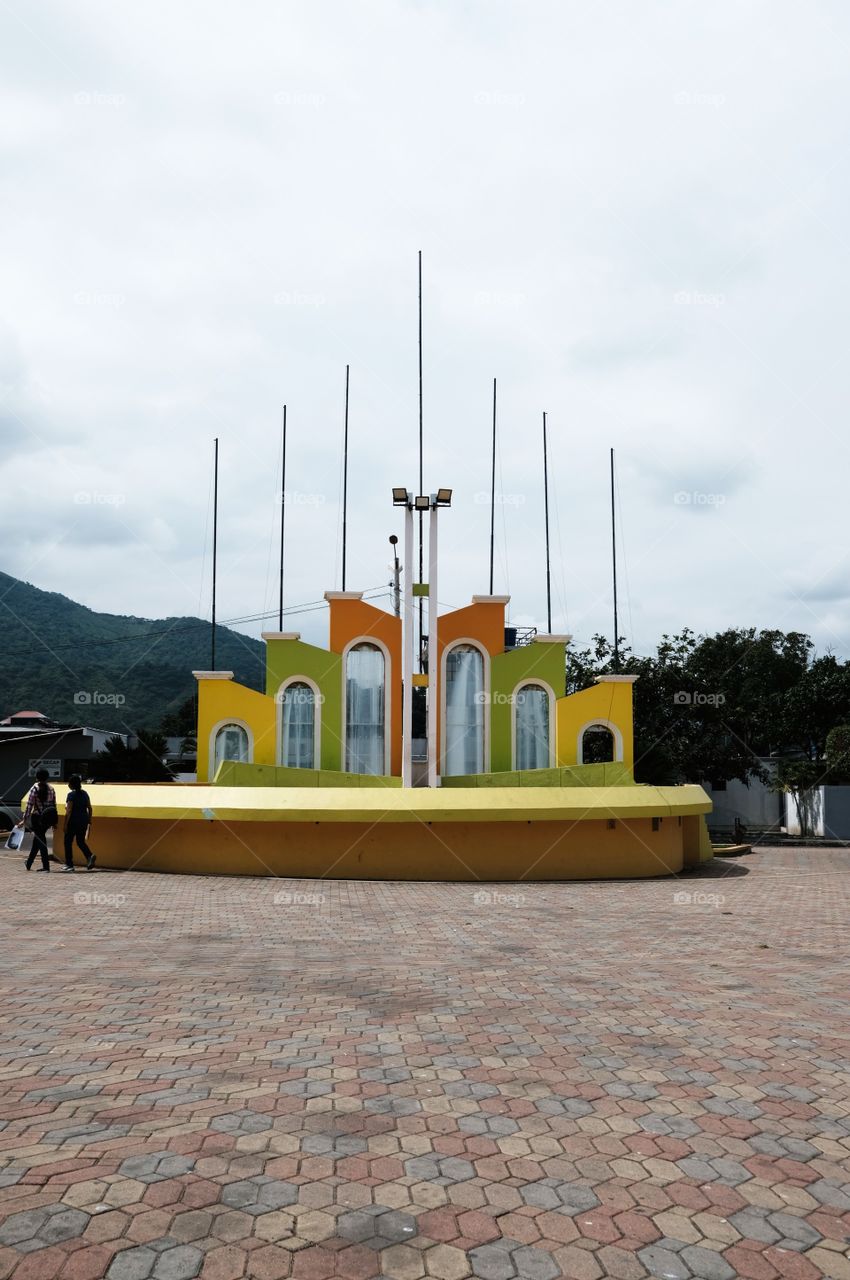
{"type": "Point", "coordinates": [616, 679]}
{"type": "Point", "coordinates": [213, 675]}
{"type": "Point", "coordinates": [491, 599]}
{"type": "Point", "coordinates": [343, 595]}
{"type": "Point", "coordinates": [281, 635]}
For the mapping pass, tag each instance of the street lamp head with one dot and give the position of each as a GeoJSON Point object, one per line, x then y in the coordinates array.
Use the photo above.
{"type": "Point", "coordinates": [443, 498]}
{"type": "Point", "coordinates": [401, 498]}
{"type": "Point", "coordinates": [422, 503]}
{"type": "Point", "coordinates": [393, 540]}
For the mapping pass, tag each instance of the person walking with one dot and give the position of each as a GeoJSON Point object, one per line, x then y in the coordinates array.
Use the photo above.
{"type": "Point", "coordinates": [40, 815]}
{"type": "Point", "coordinates": [77, 822]}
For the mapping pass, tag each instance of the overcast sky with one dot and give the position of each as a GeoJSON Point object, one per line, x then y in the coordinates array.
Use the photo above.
{"type": "Point", "coordinates": [635, 215]}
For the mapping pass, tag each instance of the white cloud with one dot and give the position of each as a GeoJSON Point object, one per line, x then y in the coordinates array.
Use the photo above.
{"type": "Point", "coordinates": [634, 216]}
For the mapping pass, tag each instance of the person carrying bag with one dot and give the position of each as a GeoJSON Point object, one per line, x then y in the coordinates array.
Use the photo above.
{"type": "Point", "coordinates": [39, 817]}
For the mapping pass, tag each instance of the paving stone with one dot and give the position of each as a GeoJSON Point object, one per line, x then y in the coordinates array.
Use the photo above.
{"type": "Point", "coordinates": [411, 1092]}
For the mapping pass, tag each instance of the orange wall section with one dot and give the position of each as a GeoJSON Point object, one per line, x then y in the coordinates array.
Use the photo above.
{"type": "Point", "coordinates": [352, 619]}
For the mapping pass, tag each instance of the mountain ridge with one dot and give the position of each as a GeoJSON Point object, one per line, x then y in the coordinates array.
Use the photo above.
{"type": "Point", "coordinates": [107, 670]}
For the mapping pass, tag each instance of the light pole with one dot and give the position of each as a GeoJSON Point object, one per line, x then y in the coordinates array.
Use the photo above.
{"type": "Point", "coordinates": [396, 576]}
{"type": "Point", "coordinates": [430, 503]}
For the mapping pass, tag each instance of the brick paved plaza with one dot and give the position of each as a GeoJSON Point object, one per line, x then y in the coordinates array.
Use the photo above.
{"type": "Point", "coordinates": [265, 1078]}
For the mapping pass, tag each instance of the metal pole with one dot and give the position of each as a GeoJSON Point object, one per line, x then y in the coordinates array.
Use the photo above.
{"type": "Point", "coordinates": [614, 563]}
{"type": "Point", "coordinates": [396, 578]}
{"type": "Point", "coordinates": [215, 551]}
{"type": "Point", "coordinates": [282, 519]}
{"type": "Point", "coordinates": [420, 490]}
{"type": "Point", "coordinates": [546, 510]}
{"type": "Point", "coordinates": [493, 491]}
{"type": "Point", "coordinates": [407, 655]}
{"type": "Point", "coordinates": [345, 481]}
{"type": "Point", "coordinates": [433, 651]}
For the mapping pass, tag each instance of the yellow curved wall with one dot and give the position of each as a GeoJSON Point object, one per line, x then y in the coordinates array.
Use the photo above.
{"type": "Point", "coordinates": [608, 700]}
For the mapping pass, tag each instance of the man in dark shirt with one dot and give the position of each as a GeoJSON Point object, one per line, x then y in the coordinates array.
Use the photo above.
{"type": "Point", "coordinates": [77, 822]}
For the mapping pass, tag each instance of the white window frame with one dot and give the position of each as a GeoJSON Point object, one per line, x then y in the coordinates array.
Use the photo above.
{"type": "Point", "coordinates": [317, 718]}
{"type": "Point", "coordinates": [388, 710]}
{"type": "Point", "coordinates": [538, 684]}
{"type": "Point", "coordinates": [599, 722]}
{"type": "Point", "coordinates": [212, 767]}
{"type": "Point", "coordinates": [444, 661]}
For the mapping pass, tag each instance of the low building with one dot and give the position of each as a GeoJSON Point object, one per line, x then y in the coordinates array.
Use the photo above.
{"type": "Point", "coordinates": [29, 741]}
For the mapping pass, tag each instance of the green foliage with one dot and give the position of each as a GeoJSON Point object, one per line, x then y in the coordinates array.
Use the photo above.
{"type": "Point", "coordinates": [52, 649]}
{"type": "Point", "coordinates": [120, 763]}
{"type": "Point", "coordinates": [838, 754]}
{"type": "Point", "coordinates": [708, 707]}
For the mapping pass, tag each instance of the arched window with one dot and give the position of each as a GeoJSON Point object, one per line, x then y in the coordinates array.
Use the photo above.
{"type": "Point", "coordinates": [231, 743]}
{"type": "Point", "coordinates": [465, 695]}
{"type": "Point", "coordinates": [298, 726]}
{"type": "Point", "coordinates": [364, 709]}
{"type": "Point", "coordinates": [533, 749]}
{"type": "Point", "coordinates": [597, 745]}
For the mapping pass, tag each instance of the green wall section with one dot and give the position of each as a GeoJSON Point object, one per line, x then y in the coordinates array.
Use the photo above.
{"type": "Point", "coordinates": [537, 661]}
{"type": "Point", "coordinates": [579, 775]}
{"type": "Point", "coordinates": [232, 773]}
{"type": "Point", "coordinates": [287, 658]}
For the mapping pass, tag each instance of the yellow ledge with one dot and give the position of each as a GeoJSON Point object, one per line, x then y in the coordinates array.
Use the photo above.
{"type": "Point", "coordinates": [416, 804]}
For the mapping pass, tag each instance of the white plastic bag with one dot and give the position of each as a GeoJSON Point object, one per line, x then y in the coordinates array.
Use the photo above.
{"type": "Point", "coordinates": [16, 838]}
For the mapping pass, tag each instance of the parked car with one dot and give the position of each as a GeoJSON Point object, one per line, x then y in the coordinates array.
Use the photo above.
{"type": "Point", "coordinates": [9, 815]}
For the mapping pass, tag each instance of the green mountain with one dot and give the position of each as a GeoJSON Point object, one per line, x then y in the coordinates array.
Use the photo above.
{"type": "Point", "coordinates": [76, 665]}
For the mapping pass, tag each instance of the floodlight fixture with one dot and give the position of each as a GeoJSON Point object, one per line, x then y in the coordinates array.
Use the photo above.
{"type": "Point", "coordinates": [422, 503]}
{"type": "Point", "coordinates": [402, 497]}
{"type": "Point", "coordinates": [443, 498]}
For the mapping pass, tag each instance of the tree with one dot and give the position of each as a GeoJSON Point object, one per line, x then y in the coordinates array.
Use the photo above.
{"type": "Point", "coordinates": [838, 754]}
{"type": "Point", "coordinates": [143, 763]}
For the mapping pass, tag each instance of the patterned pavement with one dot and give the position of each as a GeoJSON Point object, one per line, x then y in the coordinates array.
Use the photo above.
{"type": "Point", "coordinates": [266, 1078]}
